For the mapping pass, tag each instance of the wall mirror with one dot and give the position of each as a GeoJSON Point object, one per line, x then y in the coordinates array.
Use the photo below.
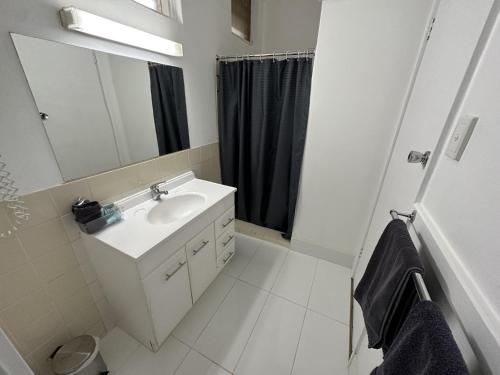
{"type": "Point", "coordinates": [103, 111]}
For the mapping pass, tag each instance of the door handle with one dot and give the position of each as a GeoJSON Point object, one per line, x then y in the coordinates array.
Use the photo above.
{"type": "Point", "coordinates": [179, 266]}
{"type": "Point", "coordinates": [418, 157]}
{"type": "Point", "coordinates": [203, 244]}
{"type": "Point", "coordinates": [224, 244]}
{"type": "Point", "coordinates": [229, 256]}
{"type": "Point", "coordinates": [230, 220]}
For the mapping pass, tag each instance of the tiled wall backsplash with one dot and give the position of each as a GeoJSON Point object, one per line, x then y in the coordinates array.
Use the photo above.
{"type": "Point", "coordinates": [49, 292]}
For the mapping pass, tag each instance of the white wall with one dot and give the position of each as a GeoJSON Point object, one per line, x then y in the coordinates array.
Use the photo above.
{"type": "Point", "coordinates": [463, 197]}
{"type": "Point", "coordinates": [290, 25]}
{"type": "Point", "coordinates": [206, 31]}
{"type": "Point", "coordinates": [366, 55]}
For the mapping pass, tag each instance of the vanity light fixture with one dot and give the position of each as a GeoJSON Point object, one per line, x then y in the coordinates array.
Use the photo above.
{"type": "Point", "coordinates": [84, 22]}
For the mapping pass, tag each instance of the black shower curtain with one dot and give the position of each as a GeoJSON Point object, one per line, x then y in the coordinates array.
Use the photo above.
{"type": "Point", "coordinates": [263, 111]}
{"type": "Point", "coordinates": [169, 108]}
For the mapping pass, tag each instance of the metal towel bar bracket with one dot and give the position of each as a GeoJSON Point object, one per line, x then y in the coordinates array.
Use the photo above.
{"type": "Point", "coordinates": [395, 215]}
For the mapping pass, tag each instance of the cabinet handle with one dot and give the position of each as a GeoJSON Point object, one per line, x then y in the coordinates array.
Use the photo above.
{"type": "Point", "coordinates": [203, 244]}
{"type": "Point", "coordinates": [224, 244]}
{"type": "Point", "coordinates": [227, 222]}
{"type": "Point", "coordinates": [228, 257]}
{"type": "Point", "coordinates": [179, 266]}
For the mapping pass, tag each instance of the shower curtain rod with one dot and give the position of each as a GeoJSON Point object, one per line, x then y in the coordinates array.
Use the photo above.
{"type": "Point", "coordinates": [268, 55]}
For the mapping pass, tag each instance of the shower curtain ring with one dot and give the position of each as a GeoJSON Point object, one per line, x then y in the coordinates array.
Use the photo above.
{"type": "Point", "coordinates": [286, 55]}
{"type": "Point", "coordinates": [274, 56]}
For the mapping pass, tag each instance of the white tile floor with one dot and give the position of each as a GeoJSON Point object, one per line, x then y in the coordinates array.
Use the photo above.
{"type": "Point", "coordinates": [272, 311]}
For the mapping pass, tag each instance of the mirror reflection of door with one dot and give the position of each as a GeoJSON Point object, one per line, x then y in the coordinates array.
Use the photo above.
{"type": "Point", "coordinates": [103, 111]}
{"type": "Point", "coordinates": [78, 123]}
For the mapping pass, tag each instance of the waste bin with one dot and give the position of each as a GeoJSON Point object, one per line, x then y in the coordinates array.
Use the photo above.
{"type": "Point", "coordinates": [79, 356]}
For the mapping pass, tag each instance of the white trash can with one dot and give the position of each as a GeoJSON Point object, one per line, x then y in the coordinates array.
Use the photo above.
{"type": "Point", "coordinates": [79, 356]}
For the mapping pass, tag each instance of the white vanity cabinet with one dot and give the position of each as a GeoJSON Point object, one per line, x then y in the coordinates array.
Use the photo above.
{"type": "Point", "coordinates": [150, 288]}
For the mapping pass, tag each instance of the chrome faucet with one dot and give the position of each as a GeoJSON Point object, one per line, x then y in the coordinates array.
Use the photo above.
{"type": "Point", "coordinates": [156, 193]}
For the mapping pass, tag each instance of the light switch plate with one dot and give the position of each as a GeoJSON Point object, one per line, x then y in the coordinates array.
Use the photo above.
{"type": "Point", "coordinates": [461, 136]}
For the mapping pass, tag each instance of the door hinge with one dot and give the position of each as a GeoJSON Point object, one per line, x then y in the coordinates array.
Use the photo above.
{"type": "Point", "coordinates": [431, 26]}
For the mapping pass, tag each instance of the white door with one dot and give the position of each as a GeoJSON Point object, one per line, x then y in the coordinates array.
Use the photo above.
{"type": "Point", "coordinates": [457, 228]}
{"type": "Point", "coordinates": [66, 86]}
{"type": "Point", "coordinates": [456, 32]}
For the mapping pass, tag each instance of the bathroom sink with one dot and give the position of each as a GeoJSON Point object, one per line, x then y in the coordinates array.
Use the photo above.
{"type": "Point", "coordinates": [147, 222]}
{"type": "Point", "coordinates": [172, 208]}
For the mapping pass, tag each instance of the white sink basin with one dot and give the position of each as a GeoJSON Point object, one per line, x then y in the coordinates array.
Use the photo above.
{"type": "Point", "coordinates": [173, 208]}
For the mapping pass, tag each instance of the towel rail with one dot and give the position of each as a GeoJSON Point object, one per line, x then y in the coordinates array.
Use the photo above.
{"type": "Point", "coordinates": [418, 280]}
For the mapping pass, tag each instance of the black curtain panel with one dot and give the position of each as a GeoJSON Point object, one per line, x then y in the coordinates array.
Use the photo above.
{"type": "Point", "coordinates": [263, 113]}
{"type": "Point", "coordinates": [169, 108]}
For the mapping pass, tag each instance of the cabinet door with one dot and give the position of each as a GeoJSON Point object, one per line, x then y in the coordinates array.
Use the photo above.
{"type": "Point", "coordinates": [202, 261]}
{"type": "Point", "coordinates": [168, 294]}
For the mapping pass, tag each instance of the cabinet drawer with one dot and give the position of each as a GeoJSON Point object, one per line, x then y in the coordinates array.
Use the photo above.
{"type": "Point", "coordinates": [169, 294]}
{"type": "Point", "coordinates": [226, 255]}
{"type": "Point", "coordinates": [203, 239]}
{"type": "Point", "coordinates": [224, 221]}
{"type": "Point", "coordinates": [224, 240]}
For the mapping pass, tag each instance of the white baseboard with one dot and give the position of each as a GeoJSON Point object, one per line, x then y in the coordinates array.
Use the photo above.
{"type": "Point", "coordinates": [317, 251]}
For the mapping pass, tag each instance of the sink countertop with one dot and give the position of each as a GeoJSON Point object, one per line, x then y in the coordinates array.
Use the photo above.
{"type": "Point", "coordinates": [134, 235]}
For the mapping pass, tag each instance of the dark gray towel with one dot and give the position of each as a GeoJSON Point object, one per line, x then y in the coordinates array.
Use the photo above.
{"type": "Point", "coordinates": [423, 346]}
{"type": "Point", "coordinates": [385, 292]}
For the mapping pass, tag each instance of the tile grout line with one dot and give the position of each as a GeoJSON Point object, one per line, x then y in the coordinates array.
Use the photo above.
{"type": "Point", "coordinates": [216, 310]}
{"type": "Point", "coordinates": [260, 312]}
{"type": "Point", "coordinates": [316, 311]}
{"type": "Point", "coordinates": [298, 342]}
{"type": "Point", "coordinates": [253, 329]}
{"type": "Point", "coordinates": [212, 361]}
{"type": "Point", "coordinates": [277, 276]}
{"type": "Point", "coordinates": [211, 317]}
{"type": "Point", "coordinates": [305, 315]}
{"type": "Point", "coordinates": [328, 317]}
{"type": "Point", "coordinates": [280, 270]}
{"type": "Point", "coordinates": [313, 281]}
{"type": "Point", "coordinates": [251, 258]}
{"type": "Point", "coordinates": [122, 365]}
{"type": "Point", "coordinates": [183, 359]}
{"type": "Point", "coordinates": [42, 286]}
{"type": "Point", "coordinates": [270, 293]}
